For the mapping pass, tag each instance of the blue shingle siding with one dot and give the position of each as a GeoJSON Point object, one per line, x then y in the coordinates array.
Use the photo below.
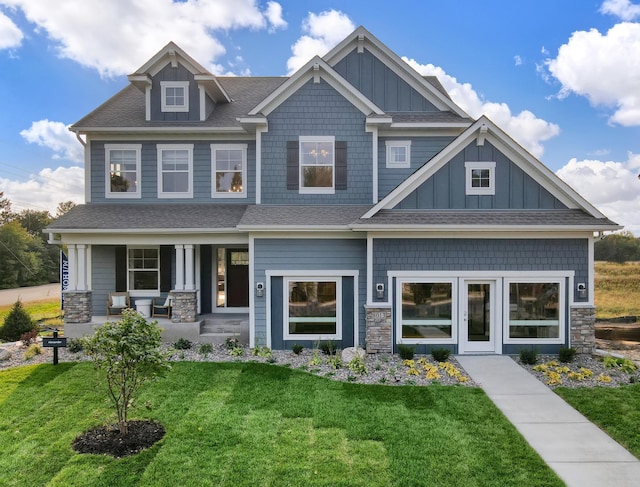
{"type": "Point", "coordinates": [514, 189]}
{"type": "Point", "coordinates": [480, 255]}
{"type": "Point", "coordinates": [316, 109]}
{"type": "Point", "coordinates": [202, 177]}
{"type": "Point", "coordinates": [422, 149]}
{"type": "Point", "coordinates": [380, 84]}
{"type": "Point", "coordinates": [311, 255]}
{"type": "Point", "coordinates": [174, 74]}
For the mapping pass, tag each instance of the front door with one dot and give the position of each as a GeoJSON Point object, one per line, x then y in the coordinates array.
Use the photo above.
{"type": "Point", "coordinates": [237, 278]}
{"type": "Point", "coordinates": [478, 312]}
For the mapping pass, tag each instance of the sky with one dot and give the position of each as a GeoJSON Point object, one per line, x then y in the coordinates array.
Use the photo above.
{"type": "Point", "coordinates": [561, 77]}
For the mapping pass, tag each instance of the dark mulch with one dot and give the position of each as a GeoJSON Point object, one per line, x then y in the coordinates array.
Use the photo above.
{"type": "Point", "coordinates": [107, 440]}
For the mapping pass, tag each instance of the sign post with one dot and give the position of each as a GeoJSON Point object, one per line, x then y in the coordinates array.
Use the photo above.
{"type": "Point", "coordinates": [55, 343]}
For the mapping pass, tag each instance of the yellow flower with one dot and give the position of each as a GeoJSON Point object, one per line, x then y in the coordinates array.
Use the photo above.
{"type": "Point", "coordinates": [586, 372]}
{"type": "Point", "coordinates": [409, 363]}
{"type": "Point", "coordinates": [604, 378]}
{"type": "Point", "coordinates": [433, 374]}
{"type": "Point", "coordinates": [413, 371]}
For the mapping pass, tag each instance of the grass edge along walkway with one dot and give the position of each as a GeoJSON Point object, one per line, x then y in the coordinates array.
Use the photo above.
{"type": "Point", "coordinates": [259, 424]}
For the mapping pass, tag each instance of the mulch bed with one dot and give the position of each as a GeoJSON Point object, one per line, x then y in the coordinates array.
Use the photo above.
{"type": "Point", "coordinates": [107, 440]}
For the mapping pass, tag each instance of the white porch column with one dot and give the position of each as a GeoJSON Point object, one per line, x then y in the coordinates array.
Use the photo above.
{"type": "Point", "coordinates": [81, 281]}
{"type": "Point", "coordinates": [179, 267]}
{"type": "Point", "coordinates": [189, 283]}
{"type": "Point", "coordinates": [73, 267]}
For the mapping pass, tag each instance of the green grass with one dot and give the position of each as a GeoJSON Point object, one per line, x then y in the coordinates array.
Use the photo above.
{"type": "Point", "coordinates": [614, 409]}
{"type": "Point", "coordinates": [617, 289]}
{"type": "Point", "coordinates": [46, 311]}
{"type": "Point", "coordinates": [256, 424]}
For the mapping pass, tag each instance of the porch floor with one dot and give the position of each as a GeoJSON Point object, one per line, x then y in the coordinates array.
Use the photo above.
{"type": "Point", "coordinates": [208, 328]}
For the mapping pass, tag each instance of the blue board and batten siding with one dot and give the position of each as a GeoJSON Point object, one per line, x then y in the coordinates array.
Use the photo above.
{"type": "Point", "coordinates": [179, 73]}
{"type": "Point", "coordinates": [422, 149]}
{"type": "Point", "coordinates": [514, 189]}
{"type": "Point", "coordinates": [316, 109]}
{"type": "Point", "coordinates": [103, 276]}
{"type": "Point", "coordinates": [202, 175]}
{"type": "Point", "coordinates": [451, 255]}
{"type": "Point", "coordinates": [381, 84]}
{"type": "Point", "coordinates": [308, 255]}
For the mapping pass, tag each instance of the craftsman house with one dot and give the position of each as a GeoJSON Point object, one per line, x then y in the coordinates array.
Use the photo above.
{"type": "Point", "coordinates": [353, 201]}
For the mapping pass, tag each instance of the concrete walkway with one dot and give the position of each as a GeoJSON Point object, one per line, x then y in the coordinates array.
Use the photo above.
{"type": "Point", "coordinates": [577, 450]}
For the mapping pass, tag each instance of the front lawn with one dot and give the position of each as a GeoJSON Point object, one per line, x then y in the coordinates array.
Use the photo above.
{"type": "Point", "coordinates": [258, 424]}
{"type": "Point", "coordinates": [614, 409]}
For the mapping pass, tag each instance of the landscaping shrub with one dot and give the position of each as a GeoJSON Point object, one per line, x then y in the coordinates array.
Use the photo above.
{"type": "Point", "coordinates": [297, 348]}
{"type": "Point", "coordinates": [264, 352]}
{"type": "Point", "coordinates": [406, 352]}
{"type": "Point", "coordinates": [357, 365]}
{"type": "Point", "coordinates": [566, 354]}
{"type": "Point", "coordinates": [329, 347]}
{"type": "Point", "coordinates": [236, 352]}
{"type": "Point", "coordinates": [74, 345]}
{"type": "Point", "coordinates": [231, 342]}
{"type": "Point", "coordinates": [33, 350]}
{"type": "Point", "coordinates": [29, 337]}
{"type": "Point", "coordinates": [440, 354]}
{"type": "Point", "coordinates": [205, 349]}
{"type": "Point", "coordinates": [528, 356]}
{"type": "Point", "coordinates": [17, 322]}
{"type": "Point", "coordinates": [182, 344]}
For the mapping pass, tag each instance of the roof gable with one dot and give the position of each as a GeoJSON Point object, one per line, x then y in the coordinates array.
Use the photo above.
{"type": "Point", "coordinates": [361, 38]}
{"type": "Point", "coordinates": [485, 129]}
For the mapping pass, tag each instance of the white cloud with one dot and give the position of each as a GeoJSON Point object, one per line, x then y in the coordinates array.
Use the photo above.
{"type": "Point", "coordinates": [623, 9]}
{"type": "Point", "coordinates": [117, 36]}
{"type": "Point", "coordinates": [517, 60]}
{"type": "Point", "coordinates": [274, 16]}
{"type": "Point", "coordinates": [10, 35]}
{"type": "Point", "coordinates": [603, 68]}
{"type": "Point", "coordinates": [527, 129]}
{"type": "Point", "coordinates": [322, 32]}
{"type": "Point", "coordinates": [46, 189]}
{"type": "Point", "coordinates": [55, 136]}
{"type": "Point", "coordinates": [613, 187]}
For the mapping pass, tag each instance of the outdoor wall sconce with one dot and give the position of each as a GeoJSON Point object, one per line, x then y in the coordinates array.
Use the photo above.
{"type": "Point", "coordinates": [582, 290]}
{"type": "Point", "coordinates": [380, 290]}
{"type": "Point", "coordinates": [260, 289]}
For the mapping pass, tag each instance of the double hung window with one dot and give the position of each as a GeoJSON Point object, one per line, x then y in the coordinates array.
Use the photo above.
{"type": "Point", "coordinates": [229, 170]}
{"type": "Point", "coordinates": [143, 270]}
{"type": "Point", "coordinates": [122, 178]}
{"type": "Point", "coordinates": [317, 164]}
{"type": "Point", "coordinates": [175, 171]}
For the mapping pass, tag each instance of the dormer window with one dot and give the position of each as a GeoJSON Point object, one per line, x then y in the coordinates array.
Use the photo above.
{"type": "Point", "coordinates": [480, 177]}
{"type": "Point", "coordinates": [398, 153]}
{"type": "Point", "coordinates": [175, 96]}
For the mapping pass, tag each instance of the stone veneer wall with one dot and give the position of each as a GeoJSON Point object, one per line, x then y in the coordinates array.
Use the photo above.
{"type": "Point", "coordinates": [78, 307]}
{"type": "Point", "coordinates": [378, 334]}
{"type": "Point", "coordinates": [184, 307]}
{"type": "Point", "coordinates": [583, 330]}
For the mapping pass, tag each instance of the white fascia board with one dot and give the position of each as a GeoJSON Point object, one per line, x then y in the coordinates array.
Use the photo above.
{"type": "Point", "coordinates": [293, 228]}
{"type": "Point", "coordinates": [391, 59]}
{"type": "Point", "coordinates": [514, 235]}
{"type": "Point", "coordinates": [253, 120]}
{"type": "Point", "coordinates": [146, 231]}
{"type": "Point", "coordinates": [378, 121]}
{"type": "Point", "coordinates": [213, 87]}
{"type": "Point", "coordinates": [156, 130]}
{"type": "Point", "coordinates": [302, 76]}
{"type": "Point", "coordinates": [183, 136]}
{"type": "Point", "coordinates": [420, 132]}
{"type": "Point", "coordinates": [483, 228]}
{"type": "Point", "coordinates": [222, 239]}
{"type": "Point", "coordinates": [340, 235]}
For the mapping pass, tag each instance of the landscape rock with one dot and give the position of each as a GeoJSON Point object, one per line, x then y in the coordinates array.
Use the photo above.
{"type": "Point", "coordinates": [349, 353]}
{"type": "Point", "coordinates": [5, 354]}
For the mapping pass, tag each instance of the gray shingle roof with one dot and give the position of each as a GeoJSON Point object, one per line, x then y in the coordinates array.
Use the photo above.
{"type": "Point", "coordinates": [159, 216]}
{"type": "Point", "coordinates": [127, 107]}
{"type": "Point", "coordinates": [309, 216]}
{"type": "Point", "coordinates": [432, 117]}
{"type": "Point", "coordinates": [438, 218]}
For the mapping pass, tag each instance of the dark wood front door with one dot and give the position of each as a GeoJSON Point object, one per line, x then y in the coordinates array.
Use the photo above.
{"type": "Point", "coordinates": [237, 278]}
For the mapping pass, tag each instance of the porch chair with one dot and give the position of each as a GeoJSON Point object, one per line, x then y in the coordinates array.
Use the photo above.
{"type": "Point", "coordinates": [162, 310]}
{"type": "Point", "coordinates": [117, 302]}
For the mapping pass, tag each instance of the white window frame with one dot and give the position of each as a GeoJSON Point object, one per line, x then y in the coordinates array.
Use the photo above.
{"type": "Point", "coordinates": [561, 281]}
{"type": "Point", "coordinates": [393, 144]}
{"type": "Point", "coordinates": [454, 310]}
{"type": "Point", "coordinates": [488, 165]}
{"type": "Point", "coordinates": [214, 170]}
{"type": "Point", "coordinates": [185, 194]}
{"type": "Point", "coordinates": [175, 84]}
{"type": "Point", "coordinates": [143, 292]}
{"type": "Point", "coordinates": [285, 290]}
{"type": "Point", "coordinates": [107, 178]}
{"type": "Point", "coordinates": [312, 190]}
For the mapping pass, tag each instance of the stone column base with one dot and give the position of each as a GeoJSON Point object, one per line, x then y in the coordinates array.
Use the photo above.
{"type": "Point", "coordinates": [378, 329]}
{"type": "Point", "coordinates": [583, 330]}
{"type": "Point", "coordinates": [78, 306]}
{"type": "Point", "coordinates": [184, 307]}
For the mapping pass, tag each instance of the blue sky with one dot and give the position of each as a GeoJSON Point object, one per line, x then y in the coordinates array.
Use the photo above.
{"type": "Point", "coordinates": [563, 78]}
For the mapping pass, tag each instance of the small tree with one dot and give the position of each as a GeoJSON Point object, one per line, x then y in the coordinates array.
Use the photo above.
{"type": "Point", "coordinates": [130, 354]}
{"type": "Point", "coordinates": [17, 322]}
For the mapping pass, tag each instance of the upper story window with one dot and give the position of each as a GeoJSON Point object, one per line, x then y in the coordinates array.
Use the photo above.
{"type": "Point", "coordinates": [317, 164]}
{"type": "Point", "coordinates": [229, 170]}
{"type": "Point", "coordinates": [175, 96]}
{"type": "Point", "coordinates": [122, 178]}
{"type": "Point", "coordinates": [175, 170]}
{"type": "Point", "coordinates": [398, 153]}
{"type": "Point", "coordinates": [480, 177]}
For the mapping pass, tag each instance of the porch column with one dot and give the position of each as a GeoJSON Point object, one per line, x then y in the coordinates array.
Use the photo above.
{"type": "Point", "coordinates": [73, 267]}
{"type": "Point", "coordinates": [81, 281]}
{"type": "Point", "coordinates": [179, 267]}
{"type": "Point", "coordinates": [189, 283]}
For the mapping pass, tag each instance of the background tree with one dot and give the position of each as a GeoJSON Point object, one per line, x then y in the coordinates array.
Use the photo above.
{"type": "Point", "coordinates": [20, 257]}
{"type": "Point", "coordinates": [64, 207]}
{"type": "Point", "coordinates": [618, 247]}
{"type": "Point", "coordinates": [5, 209]}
